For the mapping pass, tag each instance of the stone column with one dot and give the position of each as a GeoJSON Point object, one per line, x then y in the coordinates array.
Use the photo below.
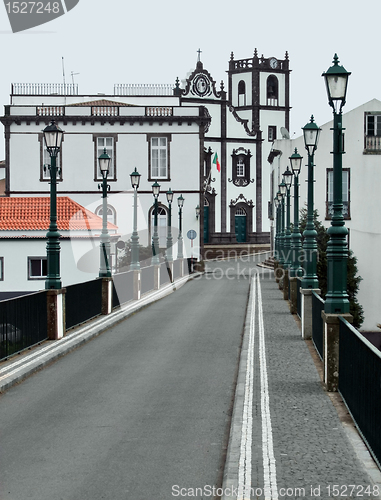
{"type": "Point", "coordinates": [156, 271]}
{"type": "Point", "coordinates": [306, 307]}
{"type": "Point", "coordinates": [137, 284]}
{"type": "Point", "coordinates": [106, 295]}
{"type": "Point", "coordinates": [331, 324]}
{"type": "Point", "coordinates": [56, 313]}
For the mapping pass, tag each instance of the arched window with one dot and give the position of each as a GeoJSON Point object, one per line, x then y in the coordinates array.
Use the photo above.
{"type": "Point", "coordinates": [272, 91]}
{"type": "Point", "coordinates": [111, 213]}
{"type": "Point", "coordinates": [240, 211]}
{"type": "Point", "coordinates": [241, 93]}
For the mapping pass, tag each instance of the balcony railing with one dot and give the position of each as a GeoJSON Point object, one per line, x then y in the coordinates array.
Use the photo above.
{"type": "Point", "coordinates": [137, 89]}
{"type": "Point", "coordinates": [50, 110]}
{"type": "Point", "coordinates": [159, 111]}
{"type": "Point", "coordinates": [44, 89]}
{"type": "Point", "coordinates": [105, 110]}
{"type": "Point", "coordinates": [373, 143]}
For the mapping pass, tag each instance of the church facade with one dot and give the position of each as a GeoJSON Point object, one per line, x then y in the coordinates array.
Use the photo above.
{"type": "Point", "coordinates": [245, 120]}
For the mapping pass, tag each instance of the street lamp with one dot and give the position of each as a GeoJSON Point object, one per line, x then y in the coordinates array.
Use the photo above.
{"type": "Point", "coordinates": [287, 179]}
{"type": "Point", "coordinates": [296, 238]}
{"type": "Point", "coordinates": [311, 134]}
{"type": "Point", "coordinates": [104, 161]}
{"type": "Point", "coordinates": [277, 226]}
{"type": "Point", "coordinates": [281, 195]}
{"type": "Point", "coordinates": [53, 136]}
{"type": "Point", "coordinates": [135, 264]}
{"type": "Point", "coordinates": [169, 195]}
{"type": "Point", "coordinates": [180, 203]}
{"type": "Point", "coordinates": [336, 301]}
{"type": "Point", "coordinates": [155, 238]}
{"type": "Point", "coordinates": [197, 212]}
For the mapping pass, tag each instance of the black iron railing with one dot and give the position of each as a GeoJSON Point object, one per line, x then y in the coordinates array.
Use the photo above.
{"type": "Point", "coordinates": [317, 323]}
{"type": "Point", "coordinates": [83, 301]}
{"type": "Point", "coordinates": [23, 323]}
{"type": "Point", "coordinates": [123, 290]}
{"type": "Point", "coordinates": [360, 384]}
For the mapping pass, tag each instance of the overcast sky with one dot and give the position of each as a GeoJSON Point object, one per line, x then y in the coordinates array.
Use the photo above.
{"type": "Point", "coordinates": [154, 41]}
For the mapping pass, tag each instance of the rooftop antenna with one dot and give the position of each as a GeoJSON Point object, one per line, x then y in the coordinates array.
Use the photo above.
{"type": "Point", "coordinates": [63, 75]}
{"type": "Point", "coordinates": [72, 76]}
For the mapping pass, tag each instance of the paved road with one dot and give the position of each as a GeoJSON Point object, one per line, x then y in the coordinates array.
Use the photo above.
{"type": "Point", "coordinates": [139, 412]}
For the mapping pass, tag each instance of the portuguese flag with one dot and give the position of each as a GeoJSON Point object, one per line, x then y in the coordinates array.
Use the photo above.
{"type": "Point", "coordinates": [216, 162]}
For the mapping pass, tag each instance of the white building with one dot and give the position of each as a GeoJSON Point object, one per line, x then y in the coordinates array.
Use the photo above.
{"type": "Point", "coordinates": [361, 175]}
{"type": "Point", "coordinates": [24, 222]}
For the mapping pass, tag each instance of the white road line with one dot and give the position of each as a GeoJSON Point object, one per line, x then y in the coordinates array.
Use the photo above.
{"type": "Point", "coordinates": [269, 466]}
{"type": "Point", "coordinates": [244, 469]}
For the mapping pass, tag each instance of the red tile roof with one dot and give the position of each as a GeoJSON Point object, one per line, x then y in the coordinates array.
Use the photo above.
{"type": "Point", "coordinates": [32, 213]}
{"type": "Point", "coordinates": [102, 102]}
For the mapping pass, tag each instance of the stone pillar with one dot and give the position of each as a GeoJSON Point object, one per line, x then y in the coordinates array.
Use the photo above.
{"type": "Point", "coordinates": [331, 325]}
{"type": "Point", "coordinates": [137, 284]}
{"type": "Point", "coordinates": [106, 295]}
{"type": "Point", "coordinates": [306, 307]}
{"type": "Point", "coordinates": [181, 267]}
{"type": "Point", "coordinates": [156, 279]}
{"type": "Point", "coordinates": [56, 313]}
{"type": "Point", "coordinates": [293, 295]}
{"type": "Point", "coordinates": [285, 284]}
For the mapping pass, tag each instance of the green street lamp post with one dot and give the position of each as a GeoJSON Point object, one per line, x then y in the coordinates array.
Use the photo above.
{"type": "Point", "coordinates": [281, 198]}
{"type": "Point", "coordinates": [53, 136]}
{"type": "Point", "coordinates": [336, 302]}
{"type": "Point", "coordinates": [296, 237]}
{"type": "Point", "coordinates": [287, 179]}
{"type": "Point", "coordinates": [169, 255]}
{"type": "Point", "coordinates": [180, 203]}
{"type": "Point", "coordinates": [104, 161]}
{"type": "Point", "coordinates": [135, 264]}
{"type": "Point", "coordinates": [277, 227]}
{"type": "Point", "coordinates": [311, 133]}
{"type": "Point", "coordinates": [155, 238]}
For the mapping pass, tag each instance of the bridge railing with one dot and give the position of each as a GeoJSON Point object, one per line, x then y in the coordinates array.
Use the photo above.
{"type": "Point", "coordinates": [23, 323]}
{"type": "Point", "coordinates": [83, 301]}
{"type": "Point", "coordinates": [359, 384]}
{"type": "Point", "coordinates": [317, 323]}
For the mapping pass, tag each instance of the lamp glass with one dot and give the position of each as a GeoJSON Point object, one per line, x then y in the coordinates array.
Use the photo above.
{"type": "Point", "coordinates": [287, 178]}
{"type": "Point", "coordinates": [156, 189]}
{"type": "Point", "coordinates": [135, 178]}
{"type": "Point", "coordinates": [53, 136]}
{"type": "Point", "coordinates": [336, 80]}
{"type": "Point", "coordinates": [296, 162]}
{"type": "Point", "coordinates": [104, 163]}
{"type": "Point", "coordinates": [169, 195]}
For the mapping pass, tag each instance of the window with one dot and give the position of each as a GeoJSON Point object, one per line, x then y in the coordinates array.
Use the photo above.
{"type": "Point", "coordinates": [346, 193]}
{"type": "Point", "coordinates": [240, 167]}
{"type": "Point", "coordinates": [272, 133]}
{"type": "Point", "coordinates": [106, 143]}
{"type": "Point", "coordinates": [102, 141]}
{"type": "Point", "coordinates": [37, 268]}
{"type": "Point", "coordinates": [158, 157]}
{"type": "Point", "coordinates": [111, 213]}
{"type": "Point", "coordinates": [241, 93]}
{"type": "Point", "coordinates": [373, 133]}
{"type": "Point", "coordinates": [272, 91]}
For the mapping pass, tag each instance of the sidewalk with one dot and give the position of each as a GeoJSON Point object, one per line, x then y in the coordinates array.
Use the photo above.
{"type": "Point", "coordinates": [287, 439]}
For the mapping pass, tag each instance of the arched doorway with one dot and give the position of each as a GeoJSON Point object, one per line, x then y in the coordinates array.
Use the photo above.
{"type": "Point", "coordinates": [240, 219]}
